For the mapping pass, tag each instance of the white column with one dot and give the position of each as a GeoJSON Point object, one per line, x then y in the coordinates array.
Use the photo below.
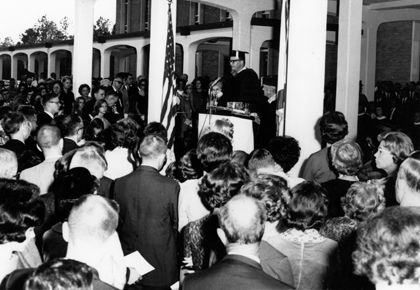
{"type": "Point", "coordinates": [415, 52]}
{"type": "Point", "coordinates": [158, 33]}
{"type": "Point", "coordinates": [242, 30]}
{"type": "Point", "coordinates": [1, 67]}
{"type": "Point", "coordinates": [105, 63]}
{"type": "Point", "coordinates": [348, 62]}
{"type": "Point", "coordinates": [31, 63]}
{"type": "Point", "coordinates": [306, 65]}
{"type": "Point", "coordinates": [52, 58]}
{"type": "Point", "coordinates": [199, 63]}
{"type": "Point", "coordinates": [83, 42]}
{"type": "Point", "coordinates": [370, 65]}
{"type": "Point", "coordinates": [140, 62]}
{"type": "Point", "coordinates": [189, 60]}
{"type": "Point", "coordinates": [14, 66]}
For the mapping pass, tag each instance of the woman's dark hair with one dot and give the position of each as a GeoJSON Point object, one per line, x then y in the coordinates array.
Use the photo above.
{"type": "Point", "coordinates": [19, 209]}
{"type": "Point", "coordinates": [96, 123]}
{"type": "Point", "coordinates": [308, 207]}
{"type": "Point", "coordinates": [83, 86]}
{"type": "Point", "coordinates": [221, 184]}
{"type": "Point", "coordinates": [97, 106]}
{"type": "Point", "coordinates": [272, 190]}
{"type": "Point", "coordinates": [333, 127]}
{"type": "Point", "coordinates": [173, 172]}
{"type": "Point", "coordinates": [190, 166]}
{"type": "Point", "coordinates": [71, 185]}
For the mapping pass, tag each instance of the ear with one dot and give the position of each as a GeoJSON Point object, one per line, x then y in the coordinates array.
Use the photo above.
{"type": "Point", "coordinates": [222, 236]}
{"type": "Point", "coordinates": [65, 229]}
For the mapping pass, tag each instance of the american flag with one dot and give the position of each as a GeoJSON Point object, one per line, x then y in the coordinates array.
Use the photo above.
{"type": "Point", "coordinates": [167, 117]}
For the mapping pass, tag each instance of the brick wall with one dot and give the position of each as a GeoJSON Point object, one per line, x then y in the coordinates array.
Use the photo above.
{"type": "Point", "coordinates": [210, 14]}
{"type": "Point", "coordinates": [210, 63]}
{"type": "Point", "coordinates": [183, 13]}
{"type": "Point", "coordinates": [135, 15]}
{"type": "Point", "coordinates": [393, 51]}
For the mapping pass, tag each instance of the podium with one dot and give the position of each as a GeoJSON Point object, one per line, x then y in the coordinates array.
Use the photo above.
{"type": "Point", "coordinates": [243, 134]}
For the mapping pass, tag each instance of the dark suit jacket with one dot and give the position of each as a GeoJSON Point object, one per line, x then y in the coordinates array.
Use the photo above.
{"type": "Point", "coordinates": [69, 145]}
{"type": "Point", "coordinates": [233, 272]}
{"type": "Point", "coordinates": [43, 118]}
{"type": "Point", "coordinates": [16, 280]}
{"type": "Point", "coordinates": [149, 221]}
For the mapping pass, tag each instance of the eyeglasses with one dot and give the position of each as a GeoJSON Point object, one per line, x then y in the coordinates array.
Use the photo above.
{"type": "Point", "coordinates": [234, 60]}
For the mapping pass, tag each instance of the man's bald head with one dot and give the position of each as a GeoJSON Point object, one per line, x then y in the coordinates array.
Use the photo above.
{"type": "Point", "coordinates": [48, 136]}
{"type": "Point", "coordinates": [93, 219]}
{"type": "Point", "coordinates": [92, 158]}
{"type": "Point", "coordinates": [242, 219]}
{"type": "Point", "coordinates": [8, 164]}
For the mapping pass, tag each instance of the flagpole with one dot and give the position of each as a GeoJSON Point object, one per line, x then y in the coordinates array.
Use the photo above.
{"type": "Point", "coordinates": [158, 35]}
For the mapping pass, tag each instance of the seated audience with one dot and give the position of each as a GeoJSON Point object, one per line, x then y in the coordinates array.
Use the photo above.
{"type": "Point", "coordinates": [388, 249]}
{"type": "Point", "coordinates": [42, 175]}
{"type": "Point", "coordinates": [393, 150]}
{"type": "Point", "coordinates": [312, 256]}
{"type": "Point", "coordinates": [62, 274]}
{"type": "Point", "coordinates": [242, 226]}
{"type": "Point", "coordinates": [333, 126]}
{"type": "Point", "coordinates": [347, 159]}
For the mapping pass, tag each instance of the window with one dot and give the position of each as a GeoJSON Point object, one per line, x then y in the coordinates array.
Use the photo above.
{"type": "Point", "coordinates": [197, 13]}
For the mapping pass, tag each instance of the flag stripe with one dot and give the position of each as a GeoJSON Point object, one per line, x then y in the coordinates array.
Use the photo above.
{"type": "Point", "coordinates": [167, 117]}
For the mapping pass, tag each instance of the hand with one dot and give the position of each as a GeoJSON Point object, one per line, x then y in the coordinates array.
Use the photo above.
{"type": "Point", "coordinates": [134, 276]}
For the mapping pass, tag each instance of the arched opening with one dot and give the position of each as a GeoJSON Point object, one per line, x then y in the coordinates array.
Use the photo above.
{"type": "Point", "coordinates": [123, 58]}
{"type": "Point", "coordinates": [212, 57]}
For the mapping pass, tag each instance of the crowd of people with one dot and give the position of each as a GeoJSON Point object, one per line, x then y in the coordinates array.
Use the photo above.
{"type": "Point", "coordinates": [86, 181]}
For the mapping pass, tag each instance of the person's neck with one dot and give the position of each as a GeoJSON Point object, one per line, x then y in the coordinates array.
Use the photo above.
{"type": "Point", "coordinates": [52, 151]}
{"type": "Point", "coordinates": [249, 249]}
{"type": "Point", "coordinates": [385, 286]}
{"type": "Point", "coordinates": [391, 171]}
{"type": "Point", "coordinates": [100, 115]}
{"type": "Point", "coordinates": [89, 256]}
{"type": "Point", "coordinates": [65, 90]}
{"type": "Point", "coordinates": [151, 163]}
{"type": "Point", "coordinates": [18, 136]}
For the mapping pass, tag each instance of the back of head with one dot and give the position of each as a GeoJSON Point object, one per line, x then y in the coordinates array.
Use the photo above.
{"type": "Point", "coordinates": [213, 149]}
{"type": "Point", "coordinates": [27, 111]}
{"type": "Point", "coordinates": [362, 200]}
{"type": "Point", "coordinates": [70, 186]}
{"type": "Point", "coordinates": [308, 207]}
{"type": "Point", "coordinates": [190, 166]}
{"type": "Point", "coordinates": [260, 159]}
{"type": "Point", "coordinates": [71, 124]}
{"type": "Point", "coordinates": [48, 136]}
{"type": "Point", "coordinates": [409, 173]}
{"type": "Point", "coordinates": [398, 144]}
{"type": "Point", "coordinates": [152, 147]}
{"type": "Point", "coordinates": [12, 122]}
{"type": "Point", "coordinates": [93, 219]}
{"type": "Point", "coordinates": [272, 191]}
{"type": "Point", "coordinates": [121, 134]}
{"type": "Point", "coordinates": [61, 274]}
{"type": "Point", "coordinates": [155, 128]}
{"type": "Point", "coordinates": [19, 209]}
{"type": "Point", "coordinates": [388, 247]}
{"type": "Point", "coordinates": [221, 184]}
{"type": "Point", "coordinates": [347, 157]}
{"type": "Point", "coordinates": [240, 157]}
{"type": "Point", "coordinates": [285, 151]}
{"type": "Point", "coordinates": [333, 127]}
{"type": "Point", "coordinates": [223, 126]}
{"type": "Point", "coordinates": [242, 219]}
{"type": "Point", "coordinates": [47, 97]}
{"type": "Point", "coordinates": [8, 164]}
{"type": "Point", "coordinates": [92, 158]}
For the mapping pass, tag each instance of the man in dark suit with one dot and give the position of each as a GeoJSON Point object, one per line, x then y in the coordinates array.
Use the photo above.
{"type": "Point", "coordinates": [51, 104]}
{"type": "Point", "coordinates": [242, 222]}
{"type": "Point", "coordinates": [71, 127]}
{"type": "Point", "coordinates": [149, 215]}
{"type": "Point", "coordinates": [117, 84]}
